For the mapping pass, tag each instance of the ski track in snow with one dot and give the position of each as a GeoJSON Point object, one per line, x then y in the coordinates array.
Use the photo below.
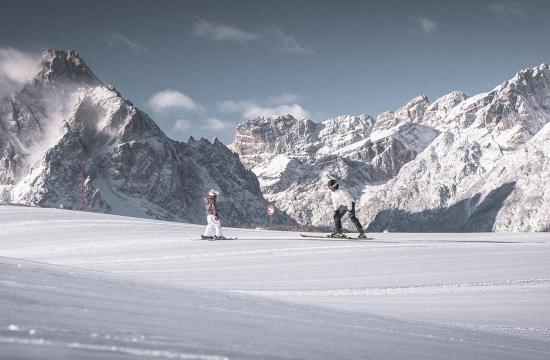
{"type": "Point", "coordinates": [426, 289]}
{"type": "Point", "coordinates": [106, 349]}
{"type": "Point", "coordinates": [275, 295]}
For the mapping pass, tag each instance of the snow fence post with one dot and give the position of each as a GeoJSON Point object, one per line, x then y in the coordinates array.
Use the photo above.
{"type": "Point", "coordinates": [81, 187]}
{"type": "Point", "coordinates": [270, 212]}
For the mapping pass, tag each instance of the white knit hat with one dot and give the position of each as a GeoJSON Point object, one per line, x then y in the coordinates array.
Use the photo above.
{"type": "Point", "coordinates": [213, 192]}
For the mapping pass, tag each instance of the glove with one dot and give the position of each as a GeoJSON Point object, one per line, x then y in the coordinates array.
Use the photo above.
{"type": "Point", "coordinates": [216, 216]}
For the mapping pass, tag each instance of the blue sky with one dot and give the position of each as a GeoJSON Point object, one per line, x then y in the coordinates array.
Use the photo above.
{"type": "Point", "coordinates": [199, 68]}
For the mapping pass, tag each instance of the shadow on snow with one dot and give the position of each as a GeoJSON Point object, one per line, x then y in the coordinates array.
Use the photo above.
{"type": "Point", "coordinates": [468, 215]}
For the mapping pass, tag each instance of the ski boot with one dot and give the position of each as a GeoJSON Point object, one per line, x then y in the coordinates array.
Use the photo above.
{"type": "Point", "coordinates": [204, 237]}
{"type": "Point", "coordinates": [362, 235]}
{"type": "Point", "coordinates": [337, 235]}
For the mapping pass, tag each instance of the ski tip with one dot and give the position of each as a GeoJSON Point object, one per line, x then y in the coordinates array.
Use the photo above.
{"type": "Point", "coordinates": [323, 236]}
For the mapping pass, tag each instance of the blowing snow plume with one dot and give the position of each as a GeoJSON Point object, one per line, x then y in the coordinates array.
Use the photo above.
{"type": "Point", "coordinates": [16, 68]}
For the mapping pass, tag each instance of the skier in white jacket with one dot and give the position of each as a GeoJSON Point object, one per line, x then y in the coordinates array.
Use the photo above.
{"type": "Point", "coordinates": [343, 203]}
{"type": "Point", "coordinates": [213, 217]}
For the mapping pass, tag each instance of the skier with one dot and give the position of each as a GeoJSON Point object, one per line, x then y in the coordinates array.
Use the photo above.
{"type": "Point", "coordinates": [213, 217]}
{"type": "Point", "coordinates": [342, 202]}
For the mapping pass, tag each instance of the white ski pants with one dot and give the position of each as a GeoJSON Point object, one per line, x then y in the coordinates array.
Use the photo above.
{"type": "Point", "coordinates": [213, 224]}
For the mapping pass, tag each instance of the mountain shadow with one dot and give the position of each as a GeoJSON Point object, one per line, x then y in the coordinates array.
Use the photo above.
{"type": "Point", "coordinates": [468, 215]}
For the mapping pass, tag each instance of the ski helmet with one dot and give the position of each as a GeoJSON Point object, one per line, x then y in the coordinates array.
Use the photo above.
{"type": "Point", "coordinates": [333, 184]}
{"type": "Point", "coordinates": [213, 192]}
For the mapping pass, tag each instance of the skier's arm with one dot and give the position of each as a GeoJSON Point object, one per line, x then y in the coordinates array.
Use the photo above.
{"type": "Point", "coordinates": [216, 210]}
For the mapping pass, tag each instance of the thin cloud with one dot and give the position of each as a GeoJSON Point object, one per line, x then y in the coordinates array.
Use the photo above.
{"type": "Point", "coordinates": [217, 124]}
{"type": "Point", "coordinates": [231, 106]}
{"type": "Point", "coordinates": [117, 38]}
{"type": "Point", "coordinates": [273, 106]}
{"type": "Point", "coordinates": [172, 99]}
{"type": "Point", "coordinates": [221, 32]}
{"type": "Point", "coordinates": [284, 43]}
{"type": "Point", "coordinates": [275, 38]}
{"type": "Point", "coordinates": [295, 110]}
{"type": "Point", "coordinates": [16, 68]}
{"type": "Point", "coordinates": [507, 9]}
{"type": "Point", "coordinates": [181, 125]}
{"type": "Point", "coordinates": [284, 99]}
{"type": "Point", "coordinates": [426, 25]}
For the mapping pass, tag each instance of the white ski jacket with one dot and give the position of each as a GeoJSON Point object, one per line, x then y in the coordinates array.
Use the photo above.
{"type": "Point", "coordinates": [341, 197]}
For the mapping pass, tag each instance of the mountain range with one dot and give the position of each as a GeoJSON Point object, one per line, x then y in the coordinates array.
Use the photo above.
{"type": "Point", "coordinates": [459, 163]}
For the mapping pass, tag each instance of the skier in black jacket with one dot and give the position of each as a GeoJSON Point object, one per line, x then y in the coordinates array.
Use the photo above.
{"type": "Point", "coordinates": [342, 203]}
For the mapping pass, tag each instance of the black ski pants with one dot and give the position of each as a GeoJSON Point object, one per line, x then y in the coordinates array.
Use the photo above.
{"type": "Point", "coordinates": [338, 214]}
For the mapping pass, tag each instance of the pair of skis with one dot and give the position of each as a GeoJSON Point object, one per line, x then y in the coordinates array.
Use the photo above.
{"type": "Point", "coordinates": [334, 238]}
{"type": "Point", "coordinates": [212, 238]}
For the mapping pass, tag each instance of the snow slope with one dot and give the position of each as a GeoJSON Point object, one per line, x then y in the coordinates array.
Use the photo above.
{"type": "Point", "coordinates": [92, 286]}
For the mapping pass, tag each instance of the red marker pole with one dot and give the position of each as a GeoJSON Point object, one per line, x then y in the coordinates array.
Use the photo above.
{"type": "Point", "coordinates": [270, 212]}
{"type": "Point", "coordinates": [81, 187]}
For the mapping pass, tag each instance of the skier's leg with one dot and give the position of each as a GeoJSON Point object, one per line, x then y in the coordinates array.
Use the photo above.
{"type": "Point", "coordinates": [338, 219]}
{"type": "Point", "coordinates": [210, 225]}
{"type": "Point", "coordinates": [354, 219]}
{"type": "Point", "coordinates": [218, 226]}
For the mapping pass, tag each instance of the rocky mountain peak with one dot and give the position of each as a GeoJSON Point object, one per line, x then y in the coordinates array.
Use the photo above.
{"type": "Point", "coordinates": [274, 122]}
{"type": "Point", "coordinates": [415, 101]}
{"type": "Point", "coordinates": [530, 73]}
{"type": "Point", "coordinates": [60, 65]}
{"type": "Point", "coordinates": [530, 80]}
{"type": "Point", "coordinates": [265, 137]}
{"type": "Point", "coordinates": [414, 109]}
{"type": "Point", "coordinates": [447, 102]}
{"type": "Point", "coordinates": [436, 114]}
{"type": "Point", "coordinates": [67, 120]}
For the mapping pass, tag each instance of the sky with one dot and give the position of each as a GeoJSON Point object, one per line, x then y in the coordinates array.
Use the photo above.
{"type": "Point", "coordinates": [198, 68]}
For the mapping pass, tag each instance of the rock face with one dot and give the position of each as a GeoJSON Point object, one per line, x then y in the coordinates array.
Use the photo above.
{"type": "Point", "coordinates": [486, 170]}
{"type": "Point", "coordinates": [67, 119]}
{"type": "Point", "coordinates": [457, 164]}
{"type": "Point", "coordinates": [293, 159]}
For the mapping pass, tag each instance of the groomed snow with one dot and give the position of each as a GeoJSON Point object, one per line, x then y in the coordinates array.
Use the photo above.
{"type": "Point", "coordinates": [81, 285]}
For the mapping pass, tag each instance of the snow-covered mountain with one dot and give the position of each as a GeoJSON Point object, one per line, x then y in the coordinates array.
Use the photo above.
{"type": "Point", "coordinates": [66, 118]}
{"type": "Point", "coordinates": [292, 157]}
{"type": "Point", "coordinates": [457, 164]}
